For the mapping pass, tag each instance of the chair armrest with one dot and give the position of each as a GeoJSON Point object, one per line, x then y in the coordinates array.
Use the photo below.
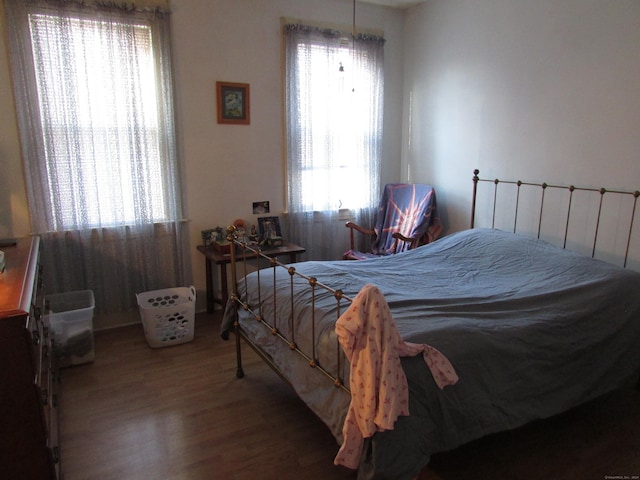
{"type": "Point", "coordinates": [354, 226]}
{"type": "Point", "coordinates": [412, 241]}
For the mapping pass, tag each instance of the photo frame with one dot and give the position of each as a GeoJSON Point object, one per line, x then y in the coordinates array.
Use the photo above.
{"type": "Point", "coordinates": [212, 235]}
{"type": "Point", "coordinates": [261, 207]}
{"type": "Point", "coordinates": [233, 103]}
{"type": "Point", "coordinates": [269, 227]}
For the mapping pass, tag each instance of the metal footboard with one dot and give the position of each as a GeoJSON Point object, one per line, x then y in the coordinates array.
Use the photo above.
{"type": "Point", "coordinates": [246, 259]}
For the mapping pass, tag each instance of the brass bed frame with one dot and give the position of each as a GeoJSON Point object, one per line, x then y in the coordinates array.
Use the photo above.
{"type": "Point", "coordinates": [254, 253]}
{"type": "Point", "coordinates": [342, 301]}
{"type": "Point", "coordinates": [543, 188]}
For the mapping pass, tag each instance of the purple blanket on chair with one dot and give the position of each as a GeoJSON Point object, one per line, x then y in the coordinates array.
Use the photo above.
{"type": "Point", "coordinates": [409, 209]}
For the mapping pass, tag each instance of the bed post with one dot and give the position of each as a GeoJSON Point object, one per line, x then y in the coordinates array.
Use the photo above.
{"type": "Point", "coordinates": [475, 192]}
{"type": "Point", "coordinates": [231, 230]}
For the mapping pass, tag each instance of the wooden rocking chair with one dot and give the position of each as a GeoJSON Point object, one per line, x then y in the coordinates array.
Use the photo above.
{"type": "Point", "coordinates": [406, 218]}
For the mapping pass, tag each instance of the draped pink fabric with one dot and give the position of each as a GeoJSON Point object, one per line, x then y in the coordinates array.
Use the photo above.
{"type": "Point", "coordinates": [379, 391]}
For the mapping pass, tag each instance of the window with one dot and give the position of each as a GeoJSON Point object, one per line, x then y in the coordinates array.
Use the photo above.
{"type": "Point", "coordinates": [334, 97]}
{"type": "Point", "coordinates": [334, 92]}
{"type": "Point", "coordinates": [99, 105]}
{"type": "Point", "coordinates": [93, 90]}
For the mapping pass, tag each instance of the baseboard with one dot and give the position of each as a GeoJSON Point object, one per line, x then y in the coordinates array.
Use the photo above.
{"type": "Point", "coordinates": [110, 321]}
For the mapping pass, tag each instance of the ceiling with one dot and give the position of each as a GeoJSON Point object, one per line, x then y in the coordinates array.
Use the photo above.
{"type": "Point", "coordinates": [395, 3]}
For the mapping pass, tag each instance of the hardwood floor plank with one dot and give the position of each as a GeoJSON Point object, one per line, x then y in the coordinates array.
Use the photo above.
{"type": "Point", "coordinates": [180, 413]}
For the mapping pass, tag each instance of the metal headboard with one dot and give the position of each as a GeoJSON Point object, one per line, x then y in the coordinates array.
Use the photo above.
{"type": "Point", "coordinates": [543, 189]}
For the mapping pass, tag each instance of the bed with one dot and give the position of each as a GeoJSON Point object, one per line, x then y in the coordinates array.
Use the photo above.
{"type": "Point", "coordinates": [531, 328]}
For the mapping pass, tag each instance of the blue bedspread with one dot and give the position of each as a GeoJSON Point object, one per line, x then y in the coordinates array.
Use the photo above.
{"type": "Point", "coordinates": [531, 329]}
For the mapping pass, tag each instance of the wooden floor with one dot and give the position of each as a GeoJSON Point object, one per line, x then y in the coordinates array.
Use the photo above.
{"type": "Point", "coordinates": [180, 413]}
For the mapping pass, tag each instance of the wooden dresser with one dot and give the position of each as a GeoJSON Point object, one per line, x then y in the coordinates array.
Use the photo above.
{"type": "Point", "coordinates": [28, 376]}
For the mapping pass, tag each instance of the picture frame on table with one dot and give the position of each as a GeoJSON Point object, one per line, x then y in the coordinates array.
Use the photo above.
{"type": "Point", "coordinates": [211, 236]}
{"type": "Point", "coordinates": [269, 227]}
{"type": "Point", "coordinates": [233, 103]}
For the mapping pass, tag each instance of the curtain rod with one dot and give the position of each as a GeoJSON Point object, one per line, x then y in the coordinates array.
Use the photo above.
{"type": "Point", "coordinates": [157, 6]}
{"type": "Point", "coordinates": [342, 28]}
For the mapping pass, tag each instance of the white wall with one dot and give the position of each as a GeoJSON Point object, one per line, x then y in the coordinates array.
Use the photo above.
{"type": "Point", "coordinates": [541, 90]}
{"type": "Point", "coordinates": [14, 212]}
{"type": "Point", "coordinates": [228, 166]}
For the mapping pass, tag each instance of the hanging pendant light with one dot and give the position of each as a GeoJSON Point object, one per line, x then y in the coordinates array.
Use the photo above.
{"type": "Point", "coordinates": [353, 25]}
{"type": "Point", "coordinates": [353, 43]}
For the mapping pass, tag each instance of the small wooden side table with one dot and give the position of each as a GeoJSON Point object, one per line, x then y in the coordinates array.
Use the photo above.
{"type": "Point", "coordinates": [214, 257]}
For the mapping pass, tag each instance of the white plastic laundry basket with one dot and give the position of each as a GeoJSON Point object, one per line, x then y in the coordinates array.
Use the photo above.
{"type": "Point", "coordinates": [168, 316]}
{"type": "Point", "coordinates": [70, 321]}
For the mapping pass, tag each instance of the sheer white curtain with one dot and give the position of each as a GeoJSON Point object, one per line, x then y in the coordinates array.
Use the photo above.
{"type": "Point", "coordinates": [94, 98]}
{"type": "Point", "coordinates": [334, 97]}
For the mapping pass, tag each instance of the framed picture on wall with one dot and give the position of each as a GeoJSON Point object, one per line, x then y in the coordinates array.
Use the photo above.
{"type": "Point", "coordinates": [261, 207]}
{"type": "Point", "coordinates": [233, 103]}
